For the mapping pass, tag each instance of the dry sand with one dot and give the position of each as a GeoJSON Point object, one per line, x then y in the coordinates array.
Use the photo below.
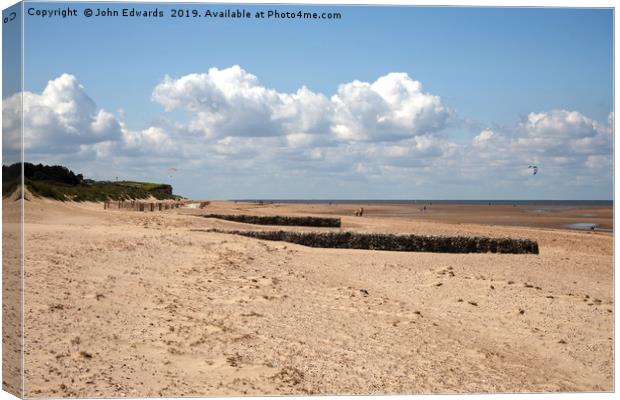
{"type": "Point", "coordinates": [122, 303]}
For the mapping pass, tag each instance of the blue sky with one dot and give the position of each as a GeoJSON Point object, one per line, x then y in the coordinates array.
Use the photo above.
{"type": "Point", "coordinates": [518, 73]}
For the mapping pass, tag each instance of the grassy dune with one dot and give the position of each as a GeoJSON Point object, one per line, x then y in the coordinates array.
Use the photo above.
{"type": "Point", "coordinates": [60, 183]}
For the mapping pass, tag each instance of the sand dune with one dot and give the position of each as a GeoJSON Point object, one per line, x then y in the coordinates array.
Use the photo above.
{"type": "Point", "coordinates": [136, 304]}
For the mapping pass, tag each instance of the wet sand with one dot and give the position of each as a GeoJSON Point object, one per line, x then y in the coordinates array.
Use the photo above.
{"type": "Point", "coordinates": [531, 215]}
{"type": "Point", "coordinates": [123, 303]}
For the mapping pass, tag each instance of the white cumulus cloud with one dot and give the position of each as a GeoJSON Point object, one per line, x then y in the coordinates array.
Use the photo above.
{"type": "Point", "coordinates": [559, 141]}
{"type": "Point", "coordinates": [393, 107]}
{"type": "Point", "coordinates": [231, 102]}
{"type": "Point", "coordinates": [63, 116]}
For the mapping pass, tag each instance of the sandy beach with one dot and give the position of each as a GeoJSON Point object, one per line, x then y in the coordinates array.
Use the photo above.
{"type": "Point", "coordinates": [122, 303]}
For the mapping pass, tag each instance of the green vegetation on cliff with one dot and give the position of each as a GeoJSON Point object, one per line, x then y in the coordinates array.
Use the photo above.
{"type": "Point", "coordinates": [148, 186]}
{"type": "Point", "coordinates": [60, 183]}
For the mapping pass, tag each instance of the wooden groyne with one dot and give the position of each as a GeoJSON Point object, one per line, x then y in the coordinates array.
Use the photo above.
{"type": "Point", "coordinates": [135, 205]}
{"type": "Point", "coordinates": [279, 220]}
{"type": "Point", "coordinates": [392, 242]}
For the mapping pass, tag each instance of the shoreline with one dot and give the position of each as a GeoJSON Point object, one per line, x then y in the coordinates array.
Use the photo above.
{"type": "Point", "coordinates": [547, 215]}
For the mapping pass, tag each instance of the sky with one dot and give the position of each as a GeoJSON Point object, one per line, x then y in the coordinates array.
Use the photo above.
{"type": "Point", "coordinates": [384, 103]}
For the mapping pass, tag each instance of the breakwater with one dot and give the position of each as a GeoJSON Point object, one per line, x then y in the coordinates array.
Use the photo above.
{"type": "Point", "coordinates": [392, 242]}
{"type": "Point", "coordinates": [134, 205]}
{"type": "Point", "coordinates": [319, 222]}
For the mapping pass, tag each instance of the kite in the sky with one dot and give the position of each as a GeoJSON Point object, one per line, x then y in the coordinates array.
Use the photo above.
{"type": "Point", "coordinates": [534, 169]}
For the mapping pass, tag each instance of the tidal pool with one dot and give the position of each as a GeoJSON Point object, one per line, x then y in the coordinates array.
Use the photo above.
{"type": "Point", "coordinates": [582, 225]}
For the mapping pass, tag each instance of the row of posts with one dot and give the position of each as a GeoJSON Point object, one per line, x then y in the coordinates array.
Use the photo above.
{"type": "Point", "coordinates": [140, 206]}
